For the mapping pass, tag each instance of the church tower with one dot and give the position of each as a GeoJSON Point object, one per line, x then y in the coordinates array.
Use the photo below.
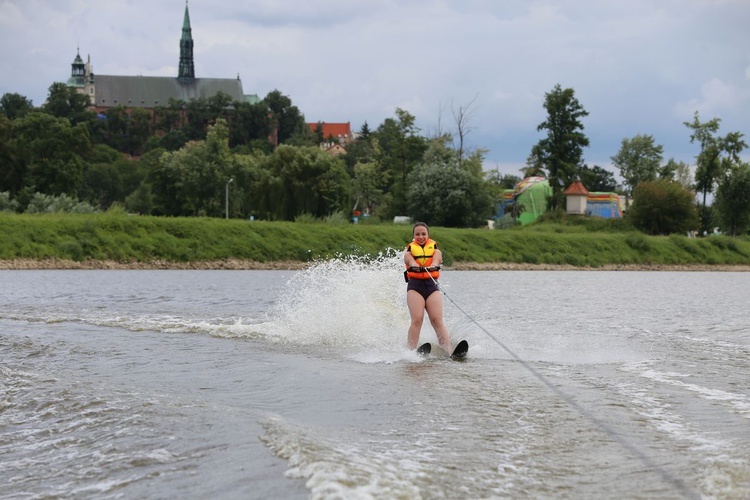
{"type": "Point", "coordinates": [150, 92]}
{"type": "Point", "coordinates": [77, 72]}
{"type": "Point", "coordinates": [187, 69]}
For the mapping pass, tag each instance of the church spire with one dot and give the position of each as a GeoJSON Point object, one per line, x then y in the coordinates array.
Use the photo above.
{"type": "Point", "coordinates": [77, 71]}
{"type": "Point", "coordinates": [187, 69]}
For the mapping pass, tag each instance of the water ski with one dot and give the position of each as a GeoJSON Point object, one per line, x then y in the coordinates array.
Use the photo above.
{"type": "Point", "coordinates": [460, 351]}
{"type": "Point", "coordinates": [424, 349]}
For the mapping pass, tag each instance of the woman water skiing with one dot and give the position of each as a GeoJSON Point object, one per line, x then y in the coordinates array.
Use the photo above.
{"type": "Point", "coordinates": [423, 261]}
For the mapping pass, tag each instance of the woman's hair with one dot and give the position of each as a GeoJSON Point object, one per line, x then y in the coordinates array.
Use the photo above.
{"type": "Point", "coordinates": [417, 224]}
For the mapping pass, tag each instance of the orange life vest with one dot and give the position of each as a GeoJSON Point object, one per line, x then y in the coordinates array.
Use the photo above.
{"type": "Point", "coordinates": [423, 255]}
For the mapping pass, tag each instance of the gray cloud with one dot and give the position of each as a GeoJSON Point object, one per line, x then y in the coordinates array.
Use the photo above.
{"type": "Point", "coordinates": [637, 67]}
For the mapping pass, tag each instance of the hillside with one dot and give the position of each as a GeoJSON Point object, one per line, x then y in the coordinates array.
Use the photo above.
{"type": "Point", "coordinates": [122, 241]}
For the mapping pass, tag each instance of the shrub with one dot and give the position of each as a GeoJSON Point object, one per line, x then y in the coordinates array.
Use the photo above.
{"type": "Point", "coordinates": [6, 204]}
{"type": "Point", "coordinates": [638, 242]}
{"type": "Point", "coordinates": [337, 219]}
{"type": "Point", "coordinates": [71, 249]}
{"type": "Point", "coordinates": [733, 201]}
{"type": "Point", "coordinates": [44, 203]}
{"type": "Point", "coordinates": [306, 218]}
{"type": "Point", "coordinates": [505, 222]}
{"type": "Point", "coordinates": [663, 207]}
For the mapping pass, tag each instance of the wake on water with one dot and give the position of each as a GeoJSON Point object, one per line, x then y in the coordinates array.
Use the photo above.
{"type": "Point", "coordinates": [355, 306]}
{"type": "Point", "coordinates": [352, 307]}
{"type": "Point", "coordinates": [349, 307]}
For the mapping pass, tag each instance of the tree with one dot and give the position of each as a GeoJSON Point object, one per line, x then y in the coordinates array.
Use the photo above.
{"type": "Point", "coordinates": [368, 186]}
{"type": "Point", "coordinates": [663, 207]}
{"type": "Point", "coordinates": [304, 137]}
{"type": "Point", "coordinates": [219, 105]}
{"type": "Point", "coordinates": [498, 183]}
{"type": "Point", "coordinates": [202, 113]}
{"type": "Point", "coordinates": [117, 127]}
{"type": "Point", "coordinates": [287, 117]}
{"type": "Point", "coordinates": [677, 171]}
{"type": "Point", "coordinates": [250, 179]}
{"type": "Point", "coordinates": [502, 181]}
{"type": "Point", "coordinates": [192, 181]}
{"type": "Point", "coordinates": [710, 166]}
{"type": "Point", "coordinates": [198, 118]}
{"type": "Point", "coordinates": [733, 201]}
{"type": "Point", "coordinates": [66, 102]}
{"type": "Point", "coordinates": [141, 199]}
{"type": "Point", "coordinates": [249, 124]}
{"type": "Point", "coordinates": [445, 192]}
{"type": "Point", "coordinates": [462, 116]}
{"type": "Point", "coordinates": [15, 105]}
{"type": "Point", "coordinates": [638, 160]}
{"type": "Point", "coordinates": [139, 130]}
{"type": "Point", "coordinates": [169, 118]}
{"type": "Point", "coordinates": [304, 180]}
{"type": "Point", "coordinates": [318, 132]}
{"type": "Point", "coordinates": [534, 166]}
{"type": "Point", "coordinates": [171, 141]}
{"type": "Point", "coordinates": [127, 131]}
{"type": "Point", "coordinates": [399, 148]}
{"type": "Point", "coordinates": [108, 177]}
{"type": "Point", "coordinates": [48, 155]}
{"type": "Point", "coordinates": [362, 150]}
{"type": "Point", "coordinates": [561, 152]}
{"type": "Point", "coordinates": [11, 170]}
{"type": "Point", "coordinates": [364, 131]}
{"type": "Point", "coordinates": [598, 179]}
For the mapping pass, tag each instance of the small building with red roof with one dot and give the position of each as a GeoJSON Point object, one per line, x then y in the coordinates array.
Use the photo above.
{"type": "Point", "coordinates": [576, 196]}
{"type": "Point", "coordinates": [341, 132]}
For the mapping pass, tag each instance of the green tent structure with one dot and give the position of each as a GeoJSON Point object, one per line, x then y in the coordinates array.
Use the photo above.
{"type": "Point", "coordinates": [532, 194]}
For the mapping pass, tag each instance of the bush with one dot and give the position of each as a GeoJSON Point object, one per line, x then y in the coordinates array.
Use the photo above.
{"type": "Point", "coordinates": [306, 218]}
{"type": "Point", "coordinates": [505, 222]}
{"type": "Point", "coordinates": [337, 219]}
{"type": "Point", "coordinates": [46, 204]}
{"type": "Point", "coordinates": [663, 207]}
{"type": "Point", "coordinates": [69, 248]}
{"type": "Point", "coordinates": [371, 220]}
{"type": "Point", "coordinates": [733, 201]}
{"type": "Point", "coordinates": [637, 242]}
{"type": "Point", "coordinates": [6, 204]}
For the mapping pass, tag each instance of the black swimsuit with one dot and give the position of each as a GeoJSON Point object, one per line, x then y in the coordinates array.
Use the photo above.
{"type": "Point", "coordinates": [423, 287]}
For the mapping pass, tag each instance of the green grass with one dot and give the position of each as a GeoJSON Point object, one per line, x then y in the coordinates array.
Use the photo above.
{"type": "Point", "coordinates": [122, 238]}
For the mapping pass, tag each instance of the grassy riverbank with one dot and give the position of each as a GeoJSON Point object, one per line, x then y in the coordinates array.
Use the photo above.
{"type": "Point", "coordinates": [135, 241]}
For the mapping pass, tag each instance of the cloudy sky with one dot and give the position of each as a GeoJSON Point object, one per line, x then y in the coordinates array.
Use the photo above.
{"type": "Point", "coordinates": [637, 66]}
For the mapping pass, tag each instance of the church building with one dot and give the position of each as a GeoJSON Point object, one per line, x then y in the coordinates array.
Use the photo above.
{"type": "Point", "coordinates": [149, 92]}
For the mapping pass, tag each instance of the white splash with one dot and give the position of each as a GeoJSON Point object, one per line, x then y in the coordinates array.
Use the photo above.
{"type": "Point", "coordinates": [355, 305]}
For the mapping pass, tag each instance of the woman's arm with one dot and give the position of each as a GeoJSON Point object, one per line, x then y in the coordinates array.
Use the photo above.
{"type": "Point", "coordinates": [409, 260]}
{"type": "Point", "coordinates": [437, 258]}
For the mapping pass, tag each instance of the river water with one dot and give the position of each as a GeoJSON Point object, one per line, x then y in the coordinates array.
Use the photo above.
{"type": "Point", "coordinates": [297, 384]}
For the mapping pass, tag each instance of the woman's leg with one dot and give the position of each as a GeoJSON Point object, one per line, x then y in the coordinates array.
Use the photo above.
{"type": "Point", "coordinates": [416, 305]}
{"type": "Point", "coordinates": [434, 306]}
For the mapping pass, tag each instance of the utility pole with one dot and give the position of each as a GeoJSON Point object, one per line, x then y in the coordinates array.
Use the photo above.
{"type": "Point", "coordinates": [226, 196]}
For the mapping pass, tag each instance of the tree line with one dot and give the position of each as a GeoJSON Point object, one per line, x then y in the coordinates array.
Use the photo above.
{"type": "Point", "coordinates": [663, 194]}
{"type": "Point", "coordinates": [213, 157]}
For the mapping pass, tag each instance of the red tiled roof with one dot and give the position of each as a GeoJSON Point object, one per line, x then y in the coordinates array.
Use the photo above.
{"type": "Point", "coordinates": [577, 188]}
{"type": "Point", "coordinates": [333, 129]}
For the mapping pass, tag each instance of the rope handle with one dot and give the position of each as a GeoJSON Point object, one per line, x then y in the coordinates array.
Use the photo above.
{"type": "Point", "coordinates": [422, 269]}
